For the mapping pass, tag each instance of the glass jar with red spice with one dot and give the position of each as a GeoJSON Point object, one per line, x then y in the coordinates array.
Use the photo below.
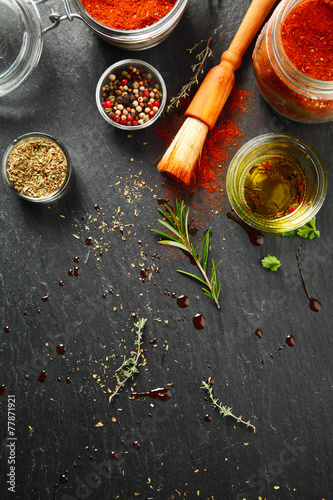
{"type": "Point", "coordinates": [293, 60]}
{"type": "Point", "coordinates": [113, 23]}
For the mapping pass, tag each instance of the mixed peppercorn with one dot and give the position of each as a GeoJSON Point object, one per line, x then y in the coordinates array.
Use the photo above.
{"type": "Point", "coordinates": [132, 97]}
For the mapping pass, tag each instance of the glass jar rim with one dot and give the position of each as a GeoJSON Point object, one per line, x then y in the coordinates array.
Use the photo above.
{"type": "Point", "coordinates": [314, 166]}
{"type": "Point", "coordinates": [27, 37]}
{"type": "Point", "coordinates": [123, 64]}
{"type": "Point", "coordinates": [122, 35]}
{"type": "Point", "coordinates": [55, 195]}
{"type": "Point", "coordinates": [305, 84]}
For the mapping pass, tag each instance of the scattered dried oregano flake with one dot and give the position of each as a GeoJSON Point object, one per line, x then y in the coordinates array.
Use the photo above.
{"type": "Point", "coordinates": [37, 167]}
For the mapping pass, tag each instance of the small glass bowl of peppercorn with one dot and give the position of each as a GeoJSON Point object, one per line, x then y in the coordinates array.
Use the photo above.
{"type": "Point", "coordinates": [37, 167]}
{"type": "Point", "coordinates": [131, 94]}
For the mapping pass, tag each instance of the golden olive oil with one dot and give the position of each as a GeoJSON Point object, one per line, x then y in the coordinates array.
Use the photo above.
{"type": "Point", "coordinates": [275, 186]}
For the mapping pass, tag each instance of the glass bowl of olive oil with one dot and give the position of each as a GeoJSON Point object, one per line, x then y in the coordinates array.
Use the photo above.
{"type": "Point", "coordinates": [276, 182]}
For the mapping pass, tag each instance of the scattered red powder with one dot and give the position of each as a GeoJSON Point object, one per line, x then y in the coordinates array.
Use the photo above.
{"type": "Point", "coordinates": [214, 154]}
{"type": "Point", "coordinates": [220, 146]}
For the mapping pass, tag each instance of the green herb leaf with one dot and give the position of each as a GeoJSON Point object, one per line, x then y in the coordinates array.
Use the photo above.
{"type": "Point", "coordinates": [178, 226]}
{"type": "Point", "coordinates": [197, 69]}
{"type": "Point", "coordinates": [130, 365]}
{"type": "Point", "coordinates": [225, 411]}
{"type": "Point", "coordinates": [288, 233]}
{"type": "Point", "coordinates": [271, 262]}
{"type": "Point", "coordinates": [206, 250]}
{"type": "Point", "coordinates": [308, 230]}
{"type": "Point", "coordinates": [191, 275]}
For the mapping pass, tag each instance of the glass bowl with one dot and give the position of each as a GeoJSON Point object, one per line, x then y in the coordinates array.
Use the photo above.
{"type": "Point", "coordinates": [140, 39]}
{"type": "Point", "coordinates": [21, 42]}
{"type": "Point", "coordinates": [123, 66]}
{"type": "Point", "coordinates": [276, 182]}
{"type": "Point", "coordinates": [23, 174]}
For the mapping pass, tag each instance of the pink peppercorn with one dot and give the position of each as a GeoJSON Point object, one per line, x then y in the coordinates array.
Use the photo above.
{"type": "Point", "coordinates": [107, 104]}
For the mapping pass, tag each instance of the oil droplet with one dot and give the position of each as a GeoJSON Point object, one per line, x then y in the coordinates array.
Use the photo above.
{"type": "Point", "coordinates": [208, 418]}
{"type": "Point", "coordinates": [143, 273]}
{"type": "Point", "coordinates": [199, 321]}
{"type": "Point", "coordinates": [76, 260]}
{"type": "Point", "coordinates": [61, 349]}
{"type": "Point", "coordinates": [290, 340]}
{"type": "Point", "coordinates": [68, 380]}
{"type": "Point", "coordinates": [259, 333]}
{"type": "Point", "coordinates": [96, 207]}
{"type": "Point", "coordinates": [45, 298]}
{"type": "Point", "coordinates": [113, 456]}
{"type": "Point", "coordinates": [162, 201]}
{"type": "Point", "coordinates": [255, 236]}
{"type": "Point", "coordinates": [315, 305]}
{"type": "Point", "coordinates": [70, 272]}
{"type": "Point", "coordinates": [42, 377]}
{"type": "Point", "coordinates": [26, 377]}
{"type": "Point", "coordinates": [153, 341]}
{"type": "Point", "coordinates": [161, 394]}
{"type": "Point", "coordinates": [89, 240]}
{"type": "Point", "coordinates": [183, 301]}
{"type": "Point", "coordinates": [61, 283]}
{"type": "Point", "coordinates": [6, 329]}
{"type": "Point", "coordinates": [136, 445]}
{"type": "Point", "coordinates": [63, 479]}
{"type": "Point", "coordinates": [2, 389]}
{"type": "Point", "coordinates": [192, 230]}
{"type": "Point", "coordinates": [76, 271]}
{"type": "Point", "coordinates": [39, 311]}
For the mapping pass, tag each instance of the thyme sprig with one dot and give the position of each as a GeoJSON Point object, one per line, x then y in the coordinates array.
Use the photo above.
{"type": "Point", "coordinates": [196, 69]}
{"type": "Point", "coordinates": [177, 223]}
{"type": "Point", "coordinates": [226, 411]}
{"type": "Point", "coordinates": [130, 365]}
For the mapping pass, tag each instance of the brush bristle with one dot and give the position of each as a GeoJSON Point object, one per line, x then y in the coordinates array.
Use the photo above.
{"type": "Point", "coordinates": [181, 157]}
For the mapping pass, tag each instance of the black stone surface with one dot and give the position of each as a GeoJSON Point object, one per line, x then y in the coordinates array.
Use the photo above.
{"type": "Point", "coordinates": [181, 455]}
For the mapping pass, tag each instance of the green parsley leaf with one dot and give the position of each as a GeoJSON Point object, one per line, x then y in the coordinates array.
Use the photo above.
{"type": "Point", "coordinates": [271, 262]}
{"type": "Point", "coordinates": [289, 233]}
{"type": "Point", "coordinates": [307, 231]}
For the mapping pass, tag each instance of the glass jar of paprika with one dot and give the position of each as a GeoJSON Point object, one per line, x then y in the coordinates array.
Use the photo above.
{"type": "Point", "coordinates": [293, 63]}
{"type": "Point", "coordinates": [127, 38]}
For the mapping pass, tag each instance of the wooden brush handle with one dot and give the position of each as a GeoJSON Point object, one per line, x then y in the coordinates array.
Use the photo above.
{"type": "Point", "coordinates": [212, 94]}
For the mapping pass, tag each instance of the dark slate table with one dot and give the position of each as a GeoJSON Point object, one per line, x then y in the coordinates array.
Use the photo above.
{"type": "Point", "coordinates": [71, 442]}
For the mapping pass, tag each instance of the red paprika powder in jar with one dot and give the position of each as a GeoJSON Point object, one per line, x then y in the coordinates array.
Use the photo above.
{"type": "Point", "coordinates": [293, 60]}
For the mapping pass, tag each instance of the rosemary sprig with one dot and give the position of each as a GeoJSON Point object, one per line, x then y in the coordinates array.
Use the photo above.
{"type": "Point", "coordinates": [178, 225]}
{"type": "Point", "coordinates": [226, 411]}
{"type": "Point", "coordinates": [197, 69]}
{"type": "Point", "coordinates": [130, 365]}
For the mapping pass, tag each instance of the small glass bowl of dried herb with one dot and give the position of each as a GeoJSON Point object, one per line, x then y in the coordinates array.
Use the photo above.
{"type": "Point", "coordinates": [131, 94]}
{"type": "Point", "coordinates": [37, 167]}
